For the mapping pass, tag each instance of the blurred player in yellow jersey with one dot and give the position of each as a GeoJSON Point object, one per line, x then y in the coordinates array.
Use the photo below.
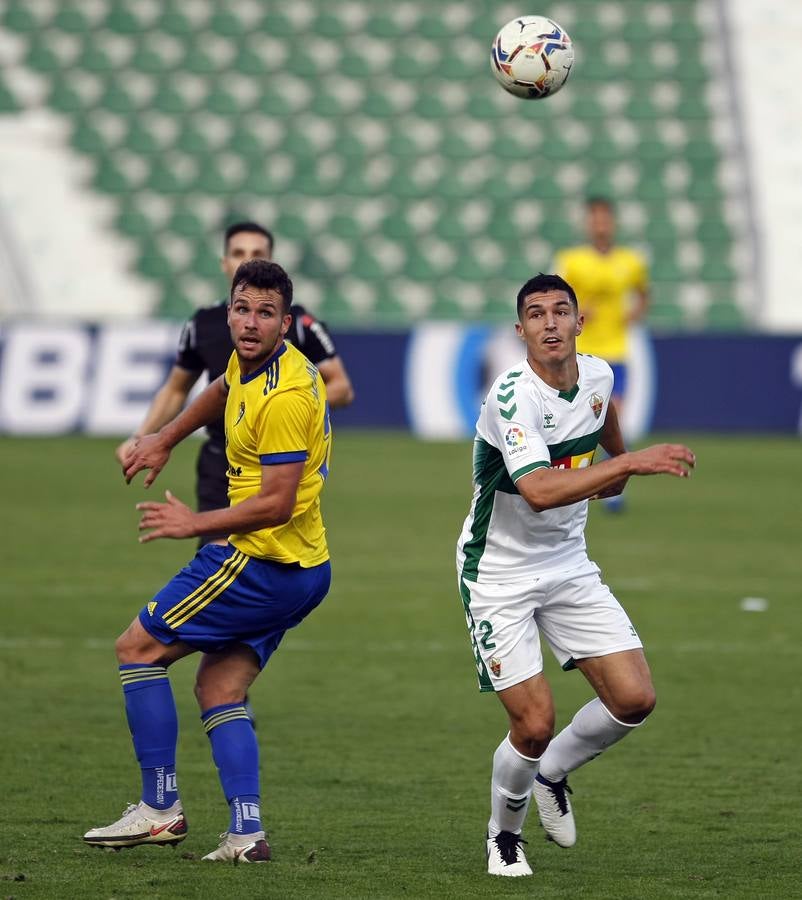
{"type": "Point", "coordinates": [233, 602]}
{"type": "Point", "coordinates": [612, 287]}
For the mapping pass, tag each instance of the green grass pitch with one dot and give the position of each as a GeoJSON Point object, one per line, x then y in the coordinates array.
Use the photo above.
{"type": "Point", "coordinates": [376, 745]}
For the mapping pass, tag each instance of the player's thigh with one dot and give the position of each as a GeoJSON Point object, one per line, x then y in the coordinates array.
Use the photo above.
{"type": "Point", "coordinates": [622, 682]}
{"type": "Point", "coordinates": [581, 618]}
{"type": "Point", "coordinates": [503, 632]}
{"type": "Point", "coordinates": [530, 707]}
{"type": "Point", "coordinates": [136, 645]}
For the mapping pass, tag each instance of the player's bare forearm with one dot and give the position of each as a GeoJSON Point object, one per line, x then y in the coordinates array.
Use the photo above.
{"type": "Point", "coordinates": [165, 406]}
{"type": "Point", "coordinates": [207, 407]}
{"type": "Point", "coordinates": [153, 450]}
{"type": "Point", "coordinates": [174, 519]}
{"type": "Point", "coordinates": [547, 488]}
{"type": "Point", "coordinates": [273, 505]}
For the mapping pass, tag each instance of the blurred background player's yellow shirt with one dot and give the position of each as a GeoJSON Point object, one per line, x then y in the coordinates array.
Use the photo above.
{"type": "Point", "coordinates": [278, 414]}
{"type": "Point", "coordinates": [603, 283]}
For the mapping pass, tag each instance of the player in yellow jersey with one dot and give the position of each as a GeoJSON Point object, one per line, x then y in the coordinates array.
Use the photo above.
{"type": "Point", "coordinates": [233, 602]}
{"type": "Point", "coordinates": [612, 286]}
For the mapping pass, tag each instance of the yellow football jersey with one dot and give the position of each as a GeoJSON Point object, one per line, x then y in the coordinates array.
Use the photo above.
{"type": "Point", "coordinates": [278, 414]}
{"type": "Point", "coordinates": [603, 283]}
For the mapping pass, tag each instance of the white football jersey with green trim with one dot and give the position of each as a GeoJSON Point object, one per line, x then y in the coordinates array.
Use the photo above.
{"type": "Point", "coordinates": [525, 424]}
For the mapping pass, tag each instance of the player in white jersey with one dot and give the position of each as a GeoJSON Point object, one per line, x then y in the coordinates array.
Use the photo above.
{"type": "Point", "coordinates": [524, 570]}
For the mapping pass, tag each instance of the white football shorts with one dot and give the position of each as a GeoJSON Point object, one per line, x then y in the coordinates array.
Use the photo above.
{"type": "Point", "coordinates": [575, 611]}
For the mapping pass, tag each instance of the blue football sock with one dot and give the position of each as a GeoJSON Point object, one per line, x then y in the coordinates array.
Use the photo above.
{"type": "Point", "coordinates": [236, 755]}
{"type": "Point", "coordinates": [152, 719]}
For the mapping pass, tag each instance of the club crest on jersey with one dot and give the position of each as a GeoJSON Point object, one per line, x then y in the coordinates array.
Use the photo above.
{"type": "Point", "coordinates": [515, 440]}
{"type": "Point", "coordinates": [495, 666]}
{"type": "Point", "coordinates": [596, 404]}
{"type": "Point", "coordinates": [242, 413]}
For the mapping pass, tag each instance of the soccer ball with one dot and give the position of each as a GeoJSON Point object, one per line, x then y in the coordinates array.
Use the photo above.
{"type": "Point", "coordinates": [532, 57]}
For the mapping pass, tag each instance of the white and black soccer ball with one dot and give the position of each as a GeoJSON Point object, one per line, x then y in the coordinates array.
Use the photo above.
{"type": "Point", "coordinates": [532, 57]}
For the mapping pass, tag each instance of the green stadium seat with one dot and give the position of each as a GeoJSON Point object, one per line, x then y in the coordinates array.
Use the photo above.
{"type": "Point", "coordinates": [41, 57]}
{"type": "Point", "coordinates": [724, 317]}
{"type": "Point", "coordinates": [206, 262]}
{"type": "Point", "coordinates": [665, 316]}
{"type": "Point", "coordinates": [109, 178]}
{"type": "Point", "coordinates": [94, 57]}
{"type": "Point", "coordinates": [87, 138]}
{"type": "Point", "coordinates": [192, 139]}
{"type": "Point", "coordinates": [186, 223]}
{"type": "Point", "coordinates": [225, 23]}
{"type": "Point", "coordinates": [132, 222]}
{"type": "Point", "coordinates": [164, 178]}
{"type": "Point", "coordinates": [330, 25]}
{"type": "Point", "coordinates": [65, 98]}
{"type": "Point", "coordinates": [248, 62]}
{"type": "Point", "coordinates": [19, 17]}
{"type": "Point", "coordinates": [168, 99]}
{"type": "Point", "coordinates": [71, 20]}
{"type": "Point", "coordinates": [8, 103]}
{"type": "Point", "coordinates": [117, 98]}
{"type": "Point", "coordinates": [122, 20]}
{"type": "Point", "coordinates": [174, 22]}
{"type": "Point", "coordinates": [275, 24]}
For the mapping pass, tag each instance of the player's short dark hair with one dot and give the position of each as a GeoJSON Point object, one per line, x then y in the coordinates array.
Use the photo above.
{"type": "Point", "coordinates": [542, 283]}
{"type": "Point", "coordinates": [599, 200]}
{"type": "Point", "coordinates": [259, 273]}
{"type": "Point", "coordinates": [252, 228]}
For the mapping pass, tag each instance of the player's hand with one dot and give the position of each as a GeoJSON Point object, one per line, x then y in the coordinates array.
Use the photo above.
{"type": "Point", "coordinates": [148, 452]}
{"type": "Point", "coordinates": [663, 459]}
{"type": "Point", "coordinates": [172, 519]}
{"type": "Point", "coordinates": [125, 449]}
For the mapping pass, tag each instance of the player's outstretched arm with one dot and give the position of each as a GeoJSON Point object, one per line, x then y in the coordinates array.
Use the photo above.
{"type": "Point", "coordinates": [167, 403]}
{"type": "Point", "coordinates": [547, 488]}
{"type": "Point", "coordinates": [152, 451]}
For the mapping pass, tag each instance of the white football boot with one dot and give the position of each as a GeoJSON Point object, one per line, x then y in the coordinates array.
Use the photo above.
{"type": "Point", "coordinates": [141, 824]}
{"type": "Point", "coordinates": [554, 809]}
{"type": "Point", "coordinates": [241, 848]}
{"type": "Point", "coordinates": [505, 856]}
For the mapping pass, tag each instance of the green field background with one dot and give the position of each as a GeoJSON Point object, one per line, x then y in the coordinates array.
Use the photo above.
{"type": "Point", "coordinates": [376, 745]}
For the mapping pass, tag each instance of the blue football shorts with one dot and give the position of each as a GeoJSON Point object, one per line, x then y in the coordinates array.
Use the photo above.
{"type": "Point", "coordinates": [619, 378]}
{"type": "Point", "coordinates": [225, 597]}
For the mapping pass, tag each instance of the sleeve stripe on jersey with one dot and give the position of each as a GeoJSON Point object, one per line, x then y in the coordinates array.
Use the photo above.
{"type": "Point", "coordinates": [530, 467]}
{"type": "Point", "coordinates": [275, 459]}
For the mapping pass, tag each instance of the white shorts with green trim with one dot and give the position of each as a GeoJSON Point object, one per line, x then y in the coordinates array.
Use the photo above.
{"type": "Point", "coordinates": [575, 611]}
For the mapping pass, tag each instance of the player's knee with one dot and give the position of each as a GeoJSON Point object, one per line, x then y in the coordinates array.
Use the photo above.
{"type": "Point", "coordinates": [634, 705]}
{"type": "Point", "coordinates": [125, 648]}
{"type": "Point", "coordinates": [532, 733]}
{"type": "Point", "coordinates": [209, 694]}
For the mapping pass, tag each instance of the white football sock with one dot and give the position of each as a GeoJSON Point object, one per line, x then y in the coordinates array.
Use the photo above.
{"type": "Point", "coordinates": [510, 789]}
{"type": "Point", "coordinates": [592, 730]}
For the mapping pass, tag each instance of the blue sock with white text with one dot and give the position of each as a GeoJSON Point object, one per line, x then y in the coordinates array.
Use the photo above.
{"type": "Point", "coordinates": [236, 755]}
{"type": "Point", "coordinates": [152, 719]}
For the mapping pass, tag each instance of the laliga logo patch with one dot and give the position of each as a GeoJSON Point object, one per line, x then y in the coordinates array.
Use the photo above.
{"type": "Point", "coordinates": [515, 440]}
{"type": "Point", "coordinates": [596, 404]}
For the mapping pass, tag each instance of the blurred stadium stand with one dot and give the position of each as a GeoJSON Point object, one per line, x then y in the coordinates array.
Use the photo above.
{"type": "Point", "coordinates": [399, 179]}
